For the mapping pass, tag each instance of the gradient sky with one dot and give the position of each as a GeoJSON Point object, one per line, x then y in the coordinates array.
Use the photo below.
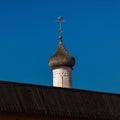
{"type": "Point", "coordinates": [91, 33]}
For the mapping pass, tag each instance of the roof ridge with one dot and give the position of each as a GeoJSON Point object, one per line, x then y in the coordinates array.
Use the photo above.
{"type": "Point", "coordinates": [51, 87]}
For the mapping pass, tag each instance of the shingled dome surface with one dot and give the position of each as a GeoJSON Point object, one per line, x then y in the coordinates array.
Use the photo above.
{"type": "Point", "coordinates": [61, 57]}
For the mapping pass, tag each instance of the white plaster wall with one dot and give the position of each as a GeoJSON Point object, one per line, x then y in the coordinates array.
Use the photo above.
{"type": "Point", "coordinates": [62, 77]}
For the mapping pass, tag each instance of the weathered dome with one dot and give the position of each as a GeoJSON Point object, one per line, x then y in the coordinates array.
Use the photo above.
{"type": "Point", "coordinates": [61, 57]}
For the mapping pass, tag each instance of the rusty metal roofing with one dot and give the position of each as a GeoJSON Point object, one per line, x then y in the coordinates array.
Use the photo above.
{"type": "Point", "coordinates": [61, 57]}
{"type": "Point", "coordinates": [43, 100]}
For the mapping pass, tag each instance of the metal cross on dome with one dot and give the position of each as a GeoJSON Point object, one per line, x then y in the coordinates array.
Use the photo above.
{"type": "Point", "coordinates": [60, 21]}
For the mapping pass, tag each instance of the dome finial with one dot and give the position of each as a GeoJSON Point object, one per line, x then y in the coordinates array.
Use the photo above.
{"type": "Point", "coordinates": [60, 21]}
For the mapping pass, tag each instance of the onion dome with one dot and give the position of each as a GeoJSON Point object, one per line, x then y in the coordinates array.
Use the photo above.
{"type": "Point", "coordinates": [61, 57]}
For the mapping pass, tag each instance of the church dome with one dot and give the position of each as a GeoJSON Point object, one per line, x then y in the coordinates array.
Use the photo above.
{"type": "Point", "coordinates": [61, 57]}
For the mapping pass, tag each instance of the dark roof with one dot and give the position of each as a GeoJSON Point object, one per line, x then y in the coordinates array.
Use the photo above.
{"type": "Point", "coordinates": [61, 57]}
{"type": "Point", "coordinates": [43, 100]}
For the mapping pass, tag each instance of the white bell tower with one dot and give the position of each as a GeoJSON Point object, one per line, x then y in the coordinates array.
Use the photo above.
{"type": "Point", "coordinates": [62, 77]}
{"type": "Point", "coordinates": [61, 63]}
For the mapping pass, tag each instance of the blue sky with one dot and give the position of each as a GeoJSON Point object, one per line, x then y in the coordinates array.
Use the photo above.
{"type": "Point", "coordinates": [91, 33]}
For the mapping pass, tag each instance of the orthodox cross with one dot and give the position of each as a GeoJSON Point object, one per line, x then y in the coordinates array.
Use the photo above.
{"type": "Point", "coordinates": [60, 21]}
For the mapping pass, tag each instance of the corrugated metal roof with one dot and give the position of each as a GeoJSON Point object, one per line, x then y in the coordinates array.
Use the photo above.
{"type": "Point", "coordinates": [43, 100]}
